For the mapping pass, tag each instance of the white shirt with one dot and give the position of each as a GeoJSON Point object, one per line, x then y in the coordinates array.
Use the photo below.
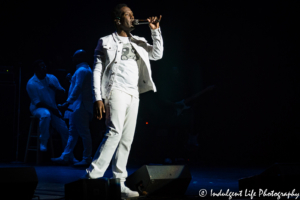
{"type": "Point", "coordinates": [127, 72]}
{"type": "Point", "coordinates": [39, 91]}
{"type": "Point", "coordinates": [80, 91]}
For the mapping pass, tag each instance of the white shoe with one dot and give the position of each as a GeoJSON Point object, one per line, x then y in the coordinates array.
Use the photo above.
{"type": "Point", "coordinates": [60, 160]}
{"type": "Point", "coordinates": [63, 159]}
{"type": "Point", "coordinates": [43, 147]}
{"type": "Point", "coordinates": [84, 162]}
{"type": "Point", "coordinates": [73, 160]}
{"type": "Point", "coordinates": [126, 192]}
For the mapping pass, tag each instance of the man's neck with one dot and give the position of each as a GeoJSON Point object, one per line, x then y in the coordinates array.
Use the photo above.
{"type": "Point", "coordinates": [123, 33]}
{"type": "Point", "coordinates": [40, 77]}
{"type": "Point", "coordinates": [80, 64]}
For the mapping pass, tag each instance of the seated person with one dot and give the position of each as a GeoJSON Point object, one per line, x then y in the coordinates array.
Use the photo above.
{"type": "Point", "coordinates": [41, 89]}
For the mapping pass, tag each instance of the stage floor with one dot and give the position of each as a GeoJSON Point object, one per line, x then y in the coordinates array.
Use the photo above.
{"type": "Point", "coordinates": [52, 178]}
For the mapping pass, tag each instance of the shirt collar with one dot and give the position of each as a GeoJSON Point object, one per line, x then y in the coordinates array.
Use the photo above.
{"type": "Point", "coordinates": [116, 37]}
{"type": "Point", "coordinates": [83, 64]}
{"type": "Point", "coordinates": [36, 79]}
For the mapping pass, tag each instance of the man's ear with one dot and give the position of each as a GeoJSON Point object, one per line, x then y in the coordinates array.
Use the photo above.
{"type": "Point", "coordinates": [117, 21]}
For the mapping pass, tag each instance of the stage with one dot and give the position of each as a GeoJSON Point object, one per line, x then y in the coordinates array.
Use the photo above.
{"type": "Point", "coordinates": [52, 178]}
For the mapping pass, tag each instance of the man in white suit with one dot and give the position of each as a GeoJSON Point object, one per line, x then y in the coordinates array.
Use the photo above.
{"type": "Point", "coordinates": [121, 71]}
{"type": "Point", "coordinates": [80, 101]}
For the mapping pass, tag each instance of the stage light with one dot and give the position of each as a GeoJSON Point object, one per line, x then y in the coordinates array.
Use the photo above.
{"type": "Point", "coordinates": [147, 123]}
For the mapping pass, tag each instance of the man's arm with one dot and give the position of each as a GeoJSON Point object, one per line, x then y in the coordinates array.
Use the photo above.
{"type": "Point", "coordinates": [55, 85]}
{"type": "Point", "coordinates": [155, 51]}
{"type": "Point", "coordinates": [99, 61]}
{"type": "Point", "coordinates": [33, 94]}
{"type": "Point", "coordinates": [81, 75]}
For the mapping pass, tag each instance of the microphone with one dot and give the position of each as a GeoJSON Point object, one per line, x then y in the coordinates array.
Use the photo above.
{"type": "Point", "coordinates": [142, 21]}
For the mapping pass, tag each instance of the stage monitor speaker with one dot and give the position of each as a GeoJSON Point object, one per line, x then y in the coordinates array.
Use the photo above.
{"type": "Point", "coordinates": [18, 182]}
{"type": "Point", "coordinates": [160, 180]}
{"type": "Point", "coordinates": [93, 189]}
{"type": "Point", "coordinates": [280, 177]}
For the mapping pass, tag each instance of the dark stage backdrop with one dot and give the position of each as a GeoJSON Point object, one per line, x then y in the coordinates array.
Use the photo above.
{"type": "Point", "coordinates": [247, 49]}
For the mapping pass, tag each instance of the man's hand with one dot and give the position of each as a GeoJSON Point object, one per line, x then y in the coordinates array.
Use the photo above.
{"type": "Point", "coordinates": [154, 22]}
{"type": "Point", "coordinates": [64, 107]}
{"type": "Point", "coordinates": [99, 109]}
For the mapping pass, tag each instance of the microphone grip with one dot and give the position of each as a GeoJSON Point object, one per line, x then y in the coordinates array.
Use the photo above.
{"type": "Point", "coordinates": [142, 21]}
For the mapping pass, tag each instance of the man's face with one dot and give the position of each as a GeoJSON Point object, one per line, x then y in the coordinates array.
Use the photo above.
{"type": "Point", "coordinates": [127, 19]}
{"type": "Point", "coordinates": [42, 70]}
{"type": "Point", "coordinates": [74, 59]}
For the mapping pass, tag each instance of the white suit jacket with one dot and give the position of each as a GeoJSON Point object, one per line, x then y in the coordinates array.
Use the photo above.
{"type": "Point", "coordinates": [108, 55]}
{"type": "Point", "coordinates": [80, 92]}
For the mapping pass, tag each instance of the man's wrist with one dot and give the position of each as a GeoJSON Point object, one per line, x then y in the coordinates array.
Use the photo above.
{"type": "Point", "coordinates": [97, 98]}
{"type": "Point", "coordinates": [155, 32]}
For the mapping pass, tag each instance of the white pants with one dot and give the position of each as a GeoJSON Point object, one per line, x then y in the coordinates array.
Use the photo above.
{"type": "Point", "coordinates": [121, 114]}
{"type": "Point", "coordinates": [46, 117]}
{"type": "Point", "coordinates": [79, 126]}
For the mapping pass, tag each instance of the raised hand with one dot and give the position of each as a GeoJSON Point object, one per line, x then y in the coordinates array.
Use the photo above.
{"type": "Point", "coordinates": [154, 22]}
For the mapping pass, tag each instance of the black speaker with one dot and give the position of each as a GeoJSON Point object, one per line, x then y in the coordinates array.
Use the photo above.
{"type": "Point", "coordinates": [280, 177]}
{"type": "Point", "coordinates": [18, 182]}
{"type": "Point", "coordinates": [93, 189]}
{"type": "Point", "coordinates": [160, 180]}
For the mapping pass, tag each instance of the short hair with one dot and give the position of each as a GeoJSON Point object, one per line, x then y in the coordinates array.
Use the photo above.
{"type": "Point", "coordinates": [36, 63]}
{"type": "Point", "coordinates": [116, 13]}
{"type": "Point", "coordinates": [81, 55]}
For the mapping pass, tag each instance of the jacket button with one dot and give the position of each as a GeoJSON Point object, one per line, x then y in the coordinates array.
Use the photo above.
{"type": "Point", "coordinates": [115, 62]}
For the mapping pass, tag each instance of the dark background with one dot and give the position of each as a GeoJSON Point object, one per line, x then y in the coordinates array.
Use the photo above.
{"type": "Point", "coordinates": [247, 49]}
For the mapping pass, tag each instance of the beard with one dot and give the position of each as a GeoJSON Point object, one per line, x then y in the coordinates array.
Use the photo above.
{"type": "Point", "coordinates": [128, 27]}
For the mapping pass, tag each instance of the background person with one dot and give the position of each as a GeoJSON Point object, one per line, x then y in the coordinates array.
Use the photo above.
{"type": "Point", "coordinates": [80, 101]}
